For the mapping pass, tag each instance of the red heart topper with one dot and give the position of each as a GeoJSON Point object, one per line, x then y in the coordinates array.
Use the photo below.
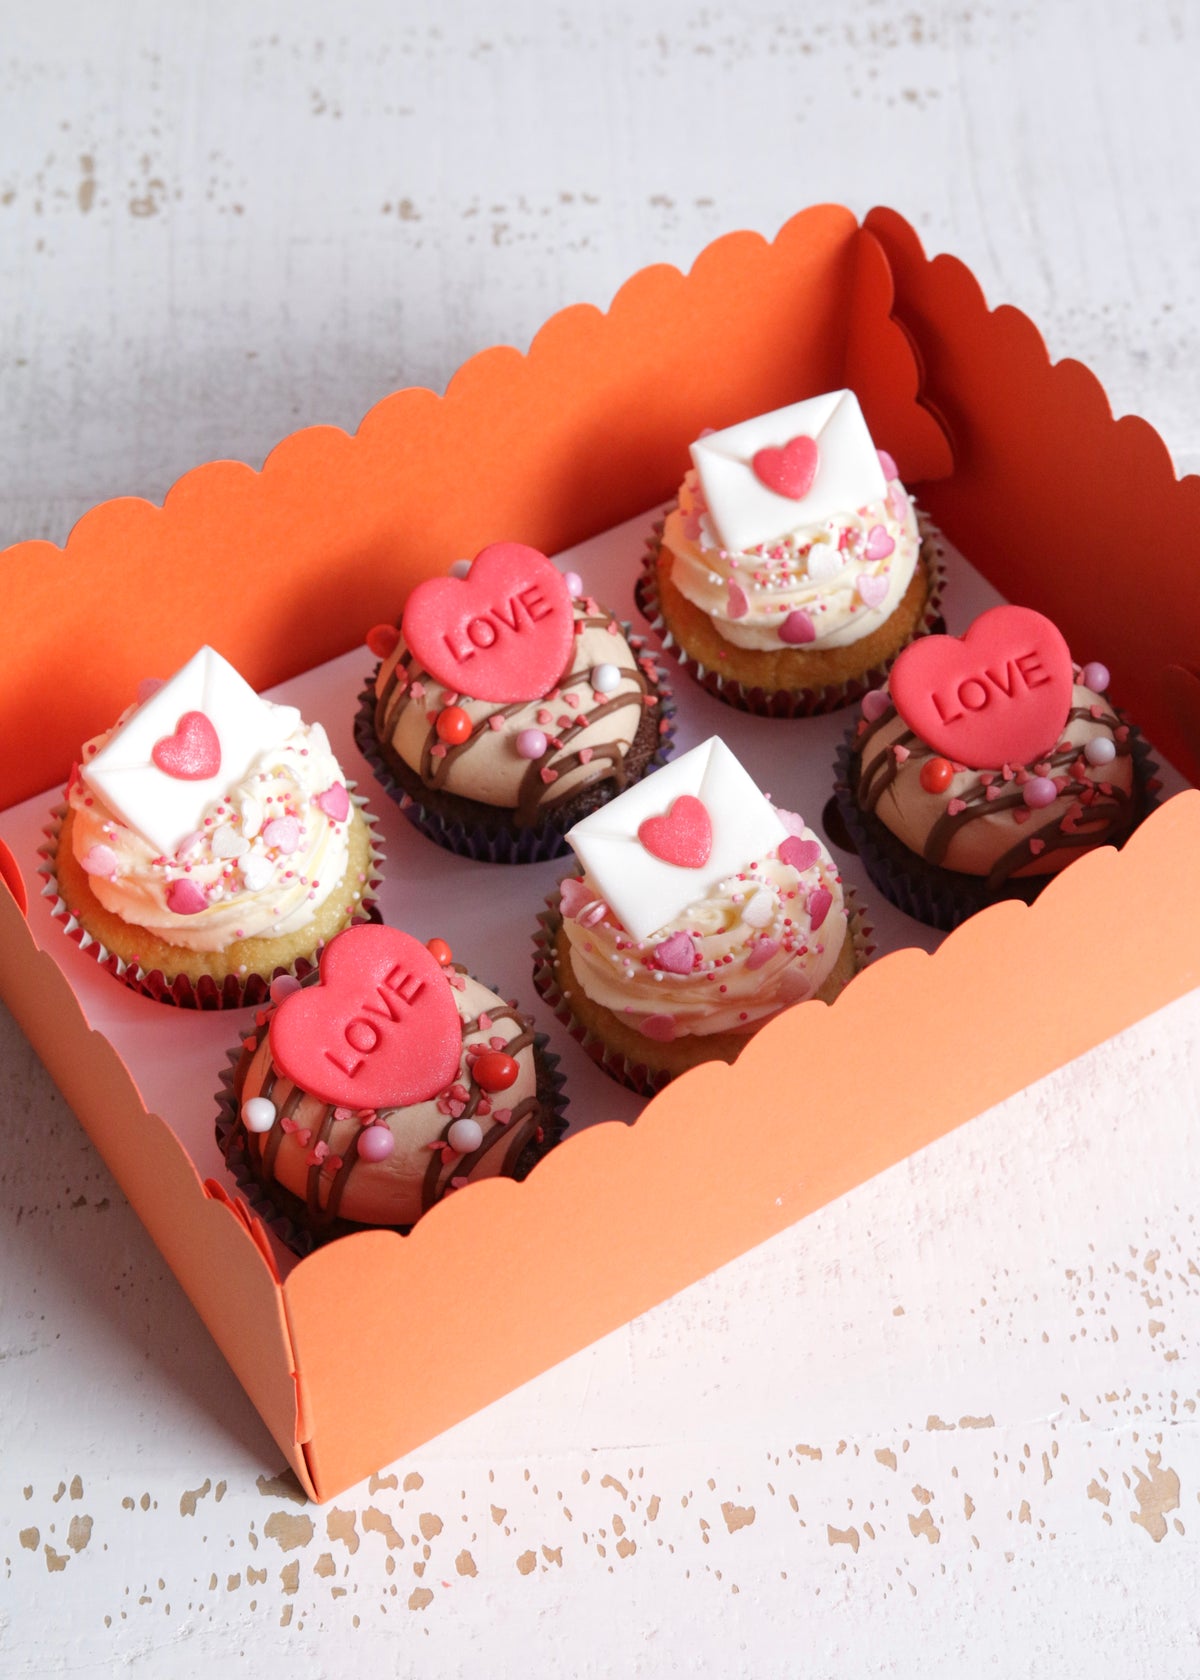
{"type": "Point", "coordinates": [193, 753]}
{"type": "Point", "coordinates": [504, 632]}
{"type": "Point", "coordinates": [999, 696]}
{"type": "Point", "coordinates": [683, 837]}
{"type": "Point", "coordinates": [380, 1030]}
{"type": "Point", "coordinates": [788, 471]}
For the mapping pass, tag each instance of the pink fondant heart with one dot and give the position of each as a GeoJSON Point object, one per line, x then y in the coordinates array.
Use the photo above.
{"type": "Point", "coordinates": [738, 606]}
{"type": "Point", "coordinates": [283, 834]}
{"type": "Point", "coordinates": [797, 628]}
{"type": "Point", "coordinates": [573, 896]}
{"type": "Point", "coordinates": [788, 471]}
{"type": "Point", "coordinates": [504, 632]}
{"type": "Point", "coordinates": [819, 901]}
{"type": "Point", "coordinates": [872, 590]}
{"type": "Point", "coordinates": [676, 954]}
{"type": "Point", "coordinates": [184, 898]}
{"type": "Point", "coordinates": [761, 953]}
{"type": "Point", "coordinates": [335, 802]}
{"type": "Point", "coordinates": [999, 696]}
{"type": "Point", "coordinates": [682, 837]}
{"type": "Point", "coordinates": [99, 860]}
{"type": "Point", "coordinates": [800, 854]}
{"type": "Point", "coordinates": [879, 544]}
{"type": "Point", "coordinates": [193, 753]}
{"type": "Point", "coordinates": [380, 1030]}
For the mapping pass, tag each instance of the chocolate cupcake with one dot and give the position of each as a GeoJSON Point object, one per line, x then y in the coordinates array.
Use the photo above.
{"type": "Point", "coordinates": [509, 704]}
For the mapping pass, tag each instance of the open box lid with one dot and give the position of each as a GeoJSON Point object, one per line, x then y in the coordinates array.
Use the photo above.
{"type": "Point", "coordinates": [377, 1342]}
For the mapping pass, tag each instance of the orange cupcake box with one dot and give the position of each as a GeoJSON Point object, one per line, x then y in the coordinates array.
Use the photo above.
{"type": "Point", "coordinates": [1023, 466]}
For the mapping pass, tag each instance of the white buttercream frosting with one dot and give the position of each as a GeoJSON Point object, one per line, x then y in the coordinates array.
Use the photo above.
{"type": "Point", "coordinates": [265, 857]}
{"type": "Point", "coordinates": [847, 574]}
{"type": "Point", "coordinates": [754, 947]}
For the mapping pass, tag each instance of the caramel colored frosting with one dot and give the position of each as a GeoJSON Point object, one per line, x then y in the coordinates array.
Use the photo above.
{"type": "Point", "coordinates": [588, 731]}
{"type": "Point", "coordinates": [758, 941]}
{"type": "Point", "coordinates": [980, 822]}
{"type": "Point", "coordinates": [312, 1147]}
{"type": "Point", "coordinates": [846, 575]}
{"type": "Point", "coordinates": [264, 859]}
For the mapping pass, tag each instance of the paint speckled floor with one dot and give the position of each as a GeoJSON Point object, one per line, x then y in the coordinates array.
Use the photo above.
{"type": "Point", "coordinates": [945, 1427]}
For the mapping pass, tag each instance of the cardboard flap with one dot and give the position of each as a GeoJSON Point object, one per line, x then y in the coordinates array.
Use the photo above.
{"type": "Point", "coordinates": [1039, 459]}
{"type": "Point", "coordinates": [883, 368]}
{"type": "Point", "coordinates": [502, 1280]}
{"type": "Point", "coordinates": [204, 1241]}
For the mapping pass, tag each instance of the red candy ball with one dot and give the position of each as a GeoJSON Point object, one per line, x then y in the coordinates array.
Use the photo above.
{"type": "Point", "coordinates": [453, 726]}
{"type": "Point", "coordinates": [382, 640]}
{"type": "Point", "coordinates": [440, 951]}
{"type": "Point", "coordinates": [936, 775]}
{"type": "Point", "coordinates": [494, 1071]}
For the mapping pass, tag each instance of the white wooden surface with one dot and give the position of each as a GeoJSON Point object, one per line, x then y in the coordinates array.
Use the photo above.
{"type": "Point", "coordinates": [947, 1426]}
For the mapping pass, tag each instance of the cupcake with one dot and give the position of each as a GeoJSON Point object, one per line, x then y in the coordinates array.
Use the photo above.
{"type": "Point", "coordinates": [795, 566]}
{"type": "Point", "coordinates": [209, 842]}
{"type": "Point", "coordinates": [986, 765]}
{"type": "Point", "coordinates": [700, 913]}
{"type": "Point", "coordinates": [508, 705]}
{"type": "Point", "coordinates": [365, 1096]}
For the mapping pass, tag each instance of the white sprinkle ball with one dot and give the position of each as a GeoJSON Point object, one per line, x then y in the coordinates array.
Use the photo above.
{"type": "Point", "coordinates": [258, 1114]}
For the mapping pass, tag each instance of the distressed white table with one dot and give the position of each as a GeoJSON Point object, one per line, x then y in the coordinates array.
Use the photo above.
{"type": "Point", "coordinates": [947, 1426]}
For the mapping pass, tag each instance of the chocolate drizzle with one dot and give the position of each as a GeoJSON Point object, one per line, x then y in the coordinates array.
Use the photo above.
{"type": "Point", "coordinates": [1099, 811]}
{"type": "Point", "coordinates": [538, 791]}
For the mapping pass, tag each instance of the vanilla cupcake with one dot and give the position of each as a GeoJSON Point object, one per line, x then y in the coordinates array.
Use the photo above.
{"type": "Point", "coordinates": [795, 566]}
{"type": "Point", "coordinates": [701, 912]}
{"type": "Point", "coordinates": [369, 1094]}
{"type": "Point", "coordinates": [209, 842]}
{"type": "Point", "coordinates": [986, 766]}
{"type": "Point", "coordinates": [507, 705]}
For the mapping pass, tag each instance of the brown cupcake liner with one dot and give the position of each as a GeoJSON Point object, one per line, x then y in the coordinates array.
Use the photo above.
{"type": "Point", "coordinates": [282, 1212]}
{"type": "Point", "coordinates": [646, 1081]}
{"type": "Point", "coordinates": [539, 844]}
{"type": "Point", "coordinates": [786, 702]}
{"type": "Point", "coordinates": [944, 898]}
{"type": "Point", "coordinates": [234, 991]}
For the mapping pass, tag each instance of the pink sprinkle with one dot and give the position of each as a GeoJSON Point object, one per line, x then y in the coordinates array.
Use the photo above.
{"type": "Point", "coordinates": [184, 898]}
{"type": "Point", "coordinates": [335, 802]}
{"type": "Point", "coordinates": [544, 716]}
{"type": "Point", "coordinates": [100, 860]}
{"type": "Point", "coordinates": [1037, 846]}
{"type": "Point", "coordinates": [900, 754]}
{"type": "Point", "coordinates": [438, 752]}
{"type": "Point", "coordinates": [738, 605]}
{"type": "Point", "coordinates": [496, 721]}
{"type": "Point", "coordinates": [548, 775]}
{"type": "Point", "coordinates": [874, 703]}
{"type": "Point", "coordinates": [502, 1116]}
{"type": "Point", "coordinates": [955, 806]}
{"type": "Point", "coordinates": [660, 1027]}
{"type": "Point", "coordinates": [761, 953]}
{"type": "Point", "coordinates": [820, 900]}
{"type": "Point", "coordinates": [417, 691]}
{"type": "Point", "coordinates": [586, 755]}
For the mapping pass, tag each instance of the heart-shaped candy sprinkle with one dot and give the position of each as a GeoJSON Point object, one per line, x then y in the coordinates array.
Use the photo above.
{"type": "Point", "coordinates": [660, 1027]}
{"type": "Point", "coordinates": [226, 842]}
{"type": "Point", "coordinates": [799, 854]}
{"type": "Point", "coordinates": [283, 986]}
{"type": "Point", "coordinates": [819, 903]}
{"type": "Point", "coordinates": [872, 590]}
{"type": "Point", "coordinates": [257, 872]}
{"type": "Point", "coordinates": [252, 816]}
{"type": "Point", "coordinates": [682, 837]}
{"type": "Point", "coordinates": [824, 562]}
{"type": "Point", "coordinates": [282, 834]}
{"type": "Point", "coordinates": [677, 954]}
{"type": "Point", "coordinates": [789, 471]}
{"type": "Point", "coordinates": [889, 466]}
{"type": "Point", "coordinates": [760, 909]}
{"type": "Point", "coordinates": [380, 1030]}
{"type": "Point", "coordinates": [761, 953]}
{"type": "Point", "coordinates": [797, 628]}
{"type": "Point", "coordinates": [335, 802]}
{"type": "Point", "coordinates": [875, 702]}
{"type": "Point", "coordinates": [375, 1142]}
{"type": "Point", "coordinates": [573, 896]}
{"type": "Point", "coordinates": [184, 898]}
{"type": "Point", "coordinates": [99, 860]}
{"type": "Point", "coordinates": [738, 605]}
{"type": "Point", "coordinates": [193, 753]}
{"type": "Point", "coordinates": [879, 544]}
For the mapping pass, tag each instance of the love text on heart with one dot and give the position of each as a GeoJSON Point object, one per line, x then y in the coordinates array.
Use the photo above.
{"type": "Point", "coordinates": [363, 1031]}
{"type": "Point", "coordinates": [991, 685]}
{"type": "Point", "coordinates": [513, 616]}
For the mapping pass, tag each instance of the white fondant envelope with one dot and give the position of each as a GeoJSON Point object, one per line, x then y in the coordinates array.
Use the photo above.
{"type": "Point", "coordinates": [165, 808]}
{"type": "Point", "coordinates": [744, 512]}
{"type": "Point", "coordinates": [645, 891]}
